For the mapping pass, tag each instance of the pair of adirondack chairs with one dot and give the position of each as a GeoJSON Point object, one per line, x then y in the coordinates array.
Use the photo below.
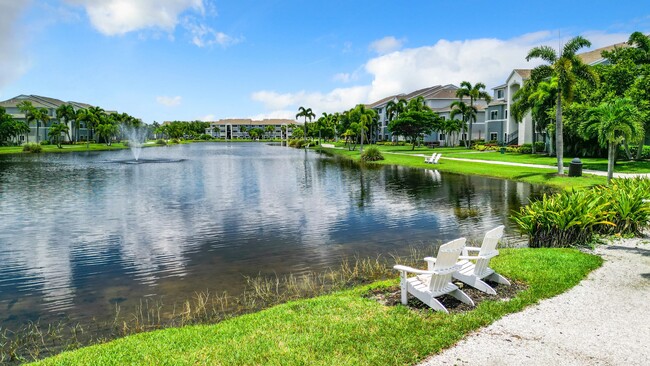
{"type": "Point", "coordinates": [433, 159]}
{"type": "Point", "coordinates": [453, 261]}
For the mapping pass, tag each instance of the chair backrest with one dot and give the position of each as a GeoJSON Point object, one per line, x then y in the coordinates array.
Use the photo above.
{"type": "Point", "coordinates": [448, 254]}
{"type": "Point", "coordinates": [491, 240]}
{"type": "Point", "coordinates": [437, 158]}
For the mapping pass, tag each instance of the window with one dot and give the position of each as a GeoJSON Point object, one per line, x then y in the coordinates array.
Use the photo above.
{"type": "Point", "coordinates": [441, 137]}
{"type": "Point", "coordinates": [500, 94]}
{"type": "Point", "coordinates": [464, 137]}
{"type": "Point", "coordinates": [493, 136]}
{"type": "Point", "coordinates": [494, 114]}
{"type": "Point", "coordinates": [22, 138]}
{"type": "Point", "coordinates": [505, 114]}
{"type": "Point", "coordinates": [505, 138]}
{"type": "Point", "coordinates": [443, 118]}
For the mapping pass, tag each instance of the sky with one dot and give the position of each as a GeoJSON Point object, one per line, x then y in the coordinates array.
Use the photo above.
{"type": "Point", "coordinates": [163, 60]}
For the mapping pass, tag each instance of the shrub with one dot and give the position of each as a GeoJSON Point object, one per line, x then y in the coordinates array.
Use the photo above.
{"type": "Point", "coordinates": [573, 218]}
{"type": "Point", "coordinates": [380, 143]}
{"type": "Point", "coordinates": [176, 141]}
{"type": "Point", "coordinates": [512, 148]}
{"type": "Point", "coordinates": [205, 137]}
{"type": "Point", "coordinates": [372, 153]}
{"type": "Point", "coordinates": [540, 146]}
{"type": "Point", "coordinates": [32, 147]}
{"type": "Point", "coordinates": [161, 142]}
{"type": "Point", "coordinates": [45, 142]}
{"type": "Point", "coordinates": [298, 143]}
{"type": "Point", "coordinates": [526, 149]}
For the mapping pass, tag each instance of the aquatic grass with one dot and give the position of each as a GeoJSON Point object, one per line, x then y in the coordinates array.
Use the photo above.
{"type": "Point", "coordinates": [342, 328]}
{"type": "Point", "coordinates": [35, 340]}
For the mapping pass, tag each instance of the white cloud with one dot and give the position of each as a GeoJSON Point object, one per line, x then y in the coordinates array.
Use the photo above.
{"type": "Point", "coordinates": [386, 45]}
{"type": "Point", "coordinates": [117, 17]}
{"type": "Point", "coordinates": [169, 101]}
{"type": "Point", "coordinates": [203, 35]}
{"type": "Point", "coordinates": [12, 63]}
{"type": "Point", "coordinates": [282, 114]}
{"type": "Point", "coordinates": [488, 60]}
{"type": "Point", "coordinates": [343, 77]}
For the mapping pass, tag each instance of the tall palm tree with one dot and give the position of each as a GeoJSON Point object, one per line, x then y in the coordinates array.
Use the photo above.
{"type": "Point", "coordinates": [28, 110]}
{"type": "Point", "coordinates": [308, 114]}
{"type": "Point", "coordinates": [66, 113]}
{"type": "Point", "coordinates": [568, 68]}
{"type": "Point", "coordinates": [364, 117]}
{"type": "Point", "coordinates": [613, 122]}
{"type": "Point", "coordinates": [40, 115]}
{"type": "Point", "coordinates": [465, 111]}
{"type": "Point", "coordinates": [474, 92]}
{"type": "Point", "coordinates": [97, 114]}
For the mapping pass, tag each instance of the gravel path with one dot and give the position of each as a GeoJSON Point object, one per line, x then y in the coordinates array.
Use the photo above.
{"type": "Point", "coordinates": [605, 320]}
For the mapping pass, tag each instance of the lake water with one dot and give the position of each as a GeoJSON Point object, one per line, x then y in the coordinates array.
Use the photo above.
{"type": "Point", "coordinates": [81, 232]}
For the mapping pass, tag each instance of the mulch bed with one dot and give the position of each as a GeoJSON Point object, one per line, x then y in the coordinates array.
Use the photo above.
{"type": "Point", "coordinates": [391, 296]}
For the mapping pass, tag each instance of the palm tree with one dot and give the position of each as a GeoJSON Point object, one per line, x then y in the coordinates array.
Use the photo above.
{"type": "Point", "coordinates": [613, 122]}
{"type": "Point", "coordinates": [364, 117]}
{"type": "Point", "coordinates": [67, 113]}
{"type": "Point", "coordinates": [568, 68]}
{"type": "Point", "coordinates": [55, 132]}
{"type": "Point", "coordinates": [474, 92]}
{"type": "Point", "coordinates": [96, 116]}
{"type": "Point", "coordinates": [40, 115]}
{"type": "Point", "coordinates": [308, 114]}
{"type": "Point", "coordinates": [465, 111]}
{"type": "Point", "coordinates": [270, 129]}
{"type": "Point", "coordinates": [29, 111]}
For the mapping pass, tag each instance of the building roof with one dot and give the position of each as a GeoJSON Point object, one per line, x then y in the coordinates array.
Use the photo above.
{"type": "Point", "coordinates": [595, 56]}
{"type": "Point", "coordinates": [41, 102]}
{"type": "Point", "coordinates": [497, 102]}
{"type": "Point", "coordinates": [433, 92]}
{"type": "Point", "coordinates": [384, 100]}
{"type": "Point", "coordinates": [499, 86]}
{"type": "Point", "coordinates": [524, 73]}
{"type": "Point", "coordinates": [248, 121]}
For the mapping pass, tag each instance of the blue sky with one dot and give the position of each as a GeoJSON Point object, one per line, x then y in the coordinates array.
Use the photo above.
{"type": "Point", "coordinates": [207, 59]}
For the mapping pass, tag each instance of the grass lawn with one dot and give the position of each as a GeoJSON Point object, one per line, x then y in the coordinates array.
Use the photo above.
{"type": "Point", "coordinates": [522, 174]}
{"type": "Point", "coordinates": [344, 328]}
{"type": "Point", "coordinates": [461, 152]}
{"type": "Point", "coordinates": [65, 148]}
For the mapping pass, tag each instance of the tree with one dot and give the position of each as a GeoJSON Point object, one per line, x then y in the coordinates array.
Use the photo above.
{"type": "Point", "coordinates": [308, 114]}
{"type": "Point", "coordinates": [40, 115]}
{"type": "Point", "coordinates": [613, 122]}
{"type": "Point", "coordinates": [29, 111]}
{"type": "Point", "coordinates": [417, 120]}
{"type": "Point", "coordinates": [394, 108]}
{"type": "Point", "coordinates": [107, 131]}
{"type": "Point", "coordinates": [539, 99]}
{"type": "Point", "coordinates": [474, 92]}
{"type": "Point", "coordinates": [567, 68]}
{"type": "Point", "coordinates": [364, 117]}
{"type": "Point", "coordinates": [269, 130]}
{"type": "Point", "coordinates": [66, 113]}
{"type": "Point", "coordinates": [466, 113]}
{"type": "Point", "coordinates": [56, 131]}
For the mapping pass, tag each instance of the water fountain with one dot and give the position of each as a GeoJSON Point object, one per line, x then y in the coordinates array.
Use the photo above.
{"type": "Point", "coordinates": [137, 136]}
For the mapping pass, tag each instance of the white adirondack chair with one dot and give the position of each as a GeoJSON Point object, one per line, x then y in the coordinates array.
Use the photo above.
{"type": "Point", "coordinates": [427, 285]}
{"type": "Point", "coordinates": [431, 159]}
{"type": "Point", "coordinates": [474, 269]}
{"type": "Point", "coordinates": [435, 161]}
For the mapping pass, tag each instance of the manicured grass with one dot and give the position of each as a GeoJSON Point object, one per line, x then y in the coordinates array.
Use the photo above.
{"type": "Point", "coordinates": [522, 174]}
{"type": "Point", "coordinates": [344, 328]}
{"type": "Point", "coordinates": [65, 148]}
{"type": "Point", "coordinates": [461, 152]}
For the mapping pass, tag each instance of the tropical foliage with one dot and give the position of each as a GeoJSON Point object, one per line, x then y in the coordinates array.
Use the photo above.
{"type": "Point", "coordinates": [415, 121]}
{"type": "Point", "coordinates": [574, 218]}
{"type": "Point", "coordinates": [473, 92]}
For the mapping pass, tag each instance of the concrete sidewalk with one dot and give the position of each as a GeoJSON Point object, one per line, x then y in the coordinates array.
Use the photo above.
{"type": "Point", "coordinates": [602, 321]}
{"type": "Point", "coordinates": [536, 166]}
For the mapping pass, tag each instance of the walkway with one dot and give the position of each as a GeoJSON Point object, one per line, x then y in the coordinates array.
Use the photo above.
{"type": "Point", "coordinates": [602, 321]}
{"type": "Point", "coordinates": [537, 166]}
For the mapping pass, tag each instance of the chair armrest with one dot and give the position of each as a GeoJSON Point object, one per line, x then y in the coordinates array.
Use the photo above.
{"type": "Point", "coordinates": [473, 249]}
{"type": "Point", "coordinates": [469, 257]}
{"type": "Point", "coordinates": [430, 259]}
{"type": "Point", "coordinates": [402, 268]}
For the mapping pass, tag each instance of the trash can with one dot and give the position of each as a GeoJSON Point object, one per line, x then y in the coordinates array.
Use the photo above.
{"type": "Point", "coordinates": [575, 168]}
{"type": "Point", "coordinates": [503, 150]}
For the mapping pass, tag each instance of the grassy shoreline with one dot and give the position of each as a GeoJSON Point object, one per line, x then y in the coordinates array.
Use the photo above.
{"type": "Point", "coordinates": [516, 173]}
{"type": "Point", "coordinates": [343, 328]}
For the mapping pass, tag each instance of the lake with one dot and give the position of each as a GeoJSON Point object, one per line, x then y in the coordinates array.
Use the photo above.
{"type": "Point", "coordinates": [82, 232]}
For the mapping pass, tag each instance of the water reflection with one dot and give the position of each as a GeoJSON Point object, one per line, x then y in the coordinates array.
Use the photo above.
{"type": "Point", "coordinates": [79, 235]}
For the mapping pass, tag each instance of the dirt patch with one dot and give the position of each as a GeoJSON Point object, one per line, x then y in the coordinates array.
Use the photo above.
{"type": "Point", "coordinates": [391, 296]}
